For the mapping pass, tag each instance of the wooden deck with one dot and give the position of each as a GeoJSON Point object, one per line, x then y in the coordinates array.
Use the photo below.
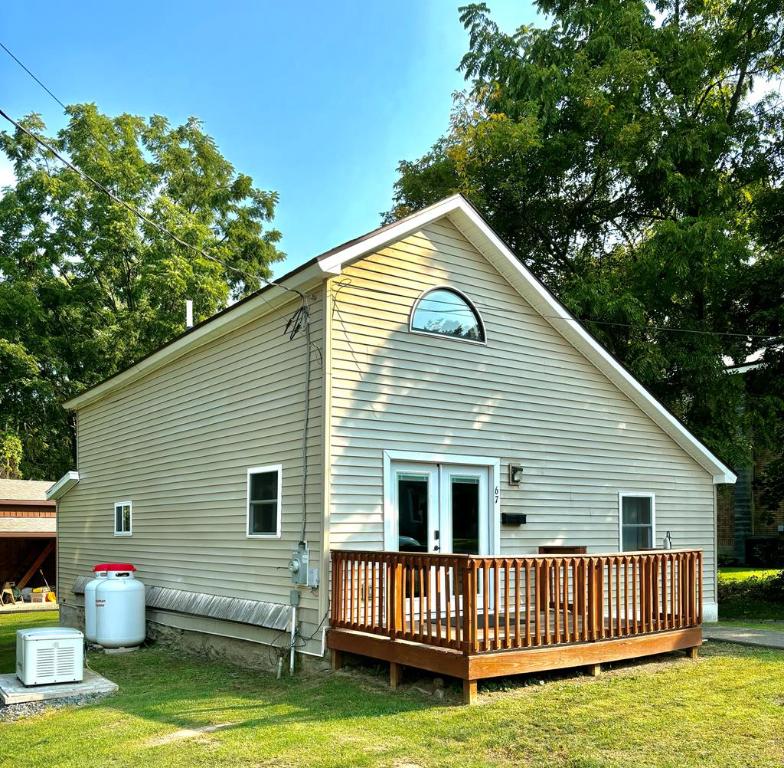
{"type": "Point", "coordinates": [476, 617]}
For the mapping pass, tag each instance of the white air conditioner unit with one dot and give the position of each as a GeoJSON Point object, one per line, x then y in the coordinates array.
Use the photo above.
{"type": "Point", "coordinates": [49, 655]}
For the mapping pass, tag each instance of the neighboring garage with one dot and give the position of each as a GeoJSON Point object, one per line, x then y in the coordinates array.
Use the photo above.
{"type": "Point", "coordinates": [28, 535]}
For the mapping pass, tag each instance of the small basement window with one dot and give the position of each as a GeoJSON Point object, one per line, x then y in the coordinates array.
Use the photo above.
{"type": "Point", "coordinates": [447, 312]}
{"type": "Point", "coordinates": [123, 513]}
{"type": "Point", "coordinates": [637, 521]}
{"type": "Point", "coordinates": [264, 501]}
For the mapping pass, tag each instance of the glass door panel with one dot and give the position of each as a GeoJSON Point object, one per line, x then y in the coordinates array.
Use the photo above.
{"type": "Point", "coordinates": [464, 510]}
{"type": "Point", "coordinates": [416, 502]}
{"type": "Point", "coordinates": [465, 515]}
{"type": "Point", "coordinates": [413, 513]}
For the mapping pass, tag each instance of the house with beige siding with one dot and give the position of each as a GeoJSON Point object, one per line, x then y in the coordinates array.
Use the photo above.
{"type": "Point", "coordinates": [406, 448]}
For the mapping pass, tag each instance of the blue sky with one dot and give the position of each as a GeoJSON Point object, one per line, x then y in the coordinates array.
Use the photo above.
{"type": "Point", "coordinates": [317, 101]}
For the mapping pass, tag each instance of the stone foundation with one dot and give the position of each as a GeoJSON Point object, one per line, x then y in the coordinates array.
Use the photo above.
{"type": "Point", "coordinates": [215, 640]}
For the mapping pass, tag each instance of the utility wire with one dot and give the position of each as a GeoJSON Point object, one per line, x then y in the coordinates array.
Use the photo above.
{"type": "Point", "coordinates": [22, 65]}
{"type": "Point", "coordinates": [134, 210]}
{"type": "Point", "coordinates": [301, 318]}
{"type": "Point", "coordinates": [665, 329]}
{"type": "Point", "coordinates": [450, 309]}
{"type": "Point", "coordinates": [108, 192]}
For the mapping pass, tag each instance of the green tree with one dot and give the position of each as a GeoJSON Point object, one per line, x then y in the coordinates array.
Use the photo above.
{"type": "Point", "coordinates": [86, 287]}
{"type": "Point", "coordinates": [10, 455]}
{"type": "Point", "coordinates": [624, 154]}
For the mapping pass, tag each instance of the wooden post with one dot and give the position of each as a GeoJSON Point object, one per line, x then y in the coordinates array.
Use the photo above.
{"type": "Point", "coordinates": [336, 659]}
{"type": "Point", "coordinates": [395, 675]}
{"type": "Point", "coordinates": [594, 670]}
{"type": "Point", "coordinates": [694, 652]}
{"type": "Point", "coordinates": [468, 610]}
{"type": "Point", "coordinates": [399, 600]}
{"type": "Point", "coordinates": [335, 606]}
{"type": "Point", "coordinates": [37, 563]}
{"type": "Point", "coordinates": [469, 692]}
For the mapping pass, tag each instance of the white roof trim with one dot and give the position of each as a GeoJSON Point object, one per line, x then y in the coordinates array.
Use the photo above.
{"type": "Point", "coordinates": [63, 485]}
{"type": "Point", "coordinates": [465, 217]}
{"type": "Point", "coordinates": [270, 297]}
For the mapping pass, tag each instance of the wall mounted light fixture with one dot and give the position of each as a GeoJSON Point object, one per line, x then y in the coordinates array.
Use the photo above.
{"type": "Point", "coordinates": [515, 474]}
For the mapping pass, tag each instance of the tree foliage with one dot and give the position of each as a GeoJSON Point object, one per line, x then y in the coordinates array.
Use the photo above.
{"type": "Point", "coordinates": [86, 287]}
{"type": "Point", "coordinates": [10, 455]}
{"type": "Point", "coordinates": [631, 156]}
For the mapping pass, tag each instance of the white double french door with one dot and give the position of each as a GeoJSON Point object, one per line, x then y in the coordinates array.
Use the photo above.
{"type": "Point", "coordinates": [441, 508]}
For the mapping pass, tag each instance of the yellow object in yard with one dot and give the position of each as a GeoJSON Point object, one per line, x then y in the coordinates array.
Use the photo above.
{"type": "Point", "coordinates": [51, 597]}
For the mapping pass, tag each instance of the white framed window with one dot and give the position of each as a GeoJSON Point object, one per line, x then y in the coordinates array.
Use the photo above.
{"type": "Point", "coordinates": [123, 518]}
{"type": "Point", "coordinates": [637, 520]}
{"type": "Point", "coordinates": [447, 312]}
{"type": "Point", "coordinates": [265, 486]}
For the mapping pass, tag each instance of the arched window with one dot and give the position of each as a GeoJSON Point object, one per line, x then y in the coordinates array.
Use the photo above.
{"type": "Point", "coordinates": [446, 312]}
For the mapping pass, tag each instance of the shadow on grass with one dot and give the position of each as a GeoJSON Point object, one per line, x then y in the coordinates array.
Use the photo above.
{"type": "Point", "coordinates": [188, 692]}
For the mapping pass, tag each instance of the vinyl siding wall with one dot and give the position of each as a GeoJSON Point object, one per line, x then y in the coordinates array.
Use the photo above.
{"type": "Point", "coordinates": [178, 443]}
{"type": "Point", "coordinates": [526, 397]}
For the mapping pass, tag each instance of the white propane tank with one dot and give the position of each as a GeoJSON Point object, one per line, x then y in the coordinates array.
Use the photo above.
{"type": "Point", "coordinates": [89, 600]}
{"type": "Point", "coordinates": [119, 608]}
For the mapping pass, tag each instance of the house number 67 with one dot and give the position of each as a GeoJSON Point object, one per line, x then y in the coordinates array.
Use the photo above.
{"type": "Point", "coordinates": [495, 495]}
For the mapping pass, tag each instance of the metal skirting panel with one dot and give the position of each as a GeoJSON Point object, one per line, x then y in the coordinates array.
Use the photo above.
{"type": "Point", "coordinates": [255, 612]}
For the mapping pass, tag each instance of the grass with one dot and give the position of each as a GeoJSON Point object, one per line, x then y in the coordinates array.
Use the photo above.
{"type": "Point", "coordinates": [776, 625]}
{"type": "Point", "coordinates": [9, 623]}
{"type": "Point", "coordinates": [726, 709]}
{"type": "Point", "coordinates": [745, 599]}
{"type": "Point", "coordinates": [732, 574]}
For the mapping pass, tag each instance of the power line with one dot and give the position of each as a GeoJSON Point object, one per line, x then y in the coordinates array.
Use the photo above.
{"type": "Point", "coordinates": [29, 72]}
{"type": "Point", "coordinates": [104, 189]}
{"type": "Point", "coordinates": [299, 320]}
{"type": "Point", "coordinates": [662, 329]}
{"type": "Point", "coordinates": [134, 210]}
{"type": "Point", "coordinates": [449, 309]}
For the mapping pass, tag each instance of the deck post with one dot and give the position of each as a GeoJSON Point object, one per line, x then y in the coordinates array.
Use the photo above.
{"type": "Point", "coordinates": [469, 691]}
{"type": "Point", "coordinates": [469, 608]}
{"type": "Point", "coordinates": [336, 659]}
{"type": "Point", "coordinates": [694, 652]}
{"type": "Point", "coordinates": [594, 670]}
{"type": "Point", "coordinates": [397, 600]}
{"type": "Point", "coordinates": [395, 675]}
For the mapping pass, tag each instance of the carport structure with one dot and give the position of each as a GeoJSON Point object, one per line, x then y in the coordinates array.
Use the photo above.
{"type": "Point", "coordinates": [28, 533]}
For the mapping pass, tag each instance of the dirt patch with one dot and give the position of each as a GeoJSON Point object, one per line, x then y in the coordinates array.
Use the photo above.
{"type": "Point", "coordinates": [187, 733]}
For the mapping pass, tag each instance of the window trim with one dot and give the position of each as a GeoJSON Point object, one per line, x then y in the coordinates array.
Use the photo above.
{"type": "Point", "coordinates": [278, 469]}
{"type": "Point", "coordinates": [636, 495]}
{"type": "Point", "coordinates": [128, 504]}
{"type": "Point", "coordinates": [458, 292]}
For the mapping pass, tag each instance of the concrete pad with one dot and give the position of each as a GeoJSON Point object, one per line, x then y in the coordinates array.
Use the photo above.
{"type": "Point", "coordinates": [13, 692]}
{"type": "Point", "coordinates": [763, 638]}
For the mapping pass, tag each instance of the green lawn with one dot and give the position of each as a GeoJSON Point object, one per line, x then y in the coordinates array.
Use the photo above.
{"type": "Point", "coordinates": [745, 596]}
{"type": "Point", "coordinates": [731, 574]}
{"type": "Point", "coordinates": [777, 625]}
{"type": "Point", "coordinates": [726, 709]}
{"type": "Point", "coordinates": [8, 626]}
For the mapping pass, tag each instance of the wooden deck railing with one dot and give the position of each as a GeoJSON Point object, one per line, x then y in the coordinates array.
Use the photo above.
{"type": "Point", "coordinates": [479, 604]}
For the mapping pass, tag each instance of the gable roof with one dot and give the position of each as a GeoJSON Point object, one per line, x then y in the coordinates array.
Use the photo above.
{"type": "Point", "coordinates": [479, 233]}
{"type": "Point", "coordinates": [23, 490]}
